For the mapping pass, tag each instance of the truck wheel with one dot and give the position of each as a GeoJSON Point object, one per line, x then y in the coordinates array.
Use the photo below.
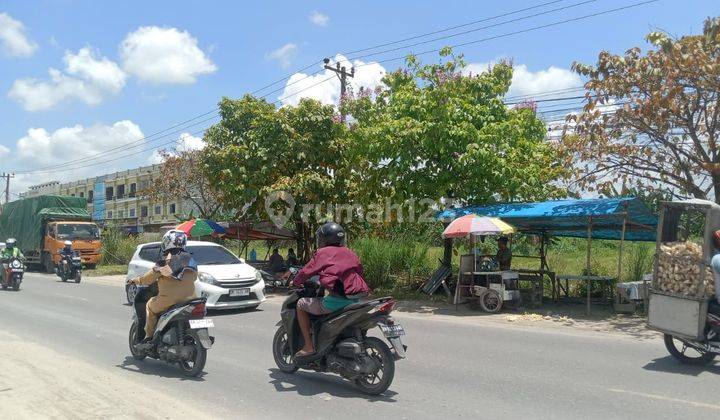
{"type": "Point", "coordinates": [48, 263]}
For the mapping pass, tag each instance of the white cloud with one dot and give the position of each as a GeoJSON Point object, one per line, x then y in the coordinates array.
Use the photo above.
{"type": "Point", "coordinates": [186, 142]}
{"type": "Point", "coordinates": [526, 82]}
{"type": "Point", "coordinates": [284, 55]}
{"type": "Point", "coordinates": [318, 18]}
{"type": "Point", "coordinates": [300, 85]}
{"type": "Point", "coordinates": [85, 78]}
{"type": "Point", "coordinates": [13, 39]}
{"type": "Point", "coordinates": [164, 55]}
{"type": "Point", "coordinates": [41, 148]}
{"type": "Point", "coordinates": [4, 150]}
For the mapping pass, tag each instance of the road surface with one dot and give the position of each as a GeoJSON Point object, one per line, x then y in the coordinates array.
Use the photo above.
{"type": "Point", "coordinates": [69, 359]}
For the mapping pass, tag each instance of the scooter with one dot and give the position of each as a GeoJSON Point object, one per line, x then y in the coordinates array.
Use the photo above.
{"type": "Point", "coordinates": [72, 268]}
{"type": "Point", "coordinates": [181, 334]}
{"type": "Point", "coordinates": [14, 271]}
{"type": "Point", "coordinates": [341, 341]}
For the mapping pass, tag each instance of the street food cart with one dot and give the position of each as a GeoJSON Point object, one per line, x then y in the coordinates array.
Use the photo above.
{"type": "Point", "coordinates": [480, 280]}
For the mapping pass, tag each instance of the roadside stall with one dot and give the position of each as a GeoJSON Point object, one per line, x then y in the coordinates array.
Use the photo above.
{"type": "Point", "coordinates": [480, 279]}
{"type": "Point", "coordinates": [622, 219]}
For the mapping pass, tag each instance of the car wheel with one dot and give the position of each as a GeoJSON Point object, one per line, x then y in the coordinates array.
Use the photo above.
{"type": "Point", "coordinates": [130, 293]}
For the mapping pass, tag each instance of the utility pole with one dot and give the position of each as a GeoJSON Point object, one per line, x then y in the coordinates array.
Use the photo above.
{"type": "Point", "coordinates": [7, 185]}
{"type": "Point", "coordinates": [342, 74]}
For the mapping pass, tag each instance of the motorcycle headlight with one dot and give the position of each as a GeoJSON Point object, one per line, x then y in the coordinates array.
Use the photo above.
{"type": "Point", "coordinates": [15, 264]}
{"type": "Point", "coordinates": [207, 278]}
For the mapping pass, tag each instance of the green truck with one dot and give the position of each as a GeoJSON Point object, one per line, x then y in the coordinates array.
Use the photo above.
{"type": "Point", "coordinates": [42, 224]}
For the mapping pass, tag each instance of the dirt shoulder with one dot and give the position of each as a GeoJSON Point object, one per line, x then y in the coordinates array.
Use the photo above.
{"type": "Point", "coordinates": [37, 382]}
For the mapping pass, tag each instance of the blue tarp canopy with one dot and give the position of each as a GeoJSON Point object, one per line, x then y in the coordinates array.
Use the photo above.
{"type": "Point", "coordinates": [572, 217]}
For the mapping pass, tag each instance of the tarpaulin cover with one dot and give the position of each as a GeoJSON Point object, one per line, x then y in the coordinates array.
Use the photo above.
{"type": "Point", "coordinates": [572, 217]}
{"type": "Point", "coordinates": [24, 219]}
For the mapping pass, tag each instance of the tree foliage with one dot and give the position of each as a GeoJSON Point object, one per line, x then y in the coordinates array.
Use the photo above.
{"type": "Point", "coordinates": [434, 132]}
{"type": "Point", "coordinates": [652, 120]}
{"type": "Point", "coordinates": [257, 151]}
{"type": "Point", "coordinates": [182, 177]}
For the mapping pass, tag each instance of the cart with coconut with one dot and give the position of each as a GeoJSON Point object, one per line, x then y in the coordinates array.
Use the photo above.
{"type": "Point", "coordinates": [683, 282]}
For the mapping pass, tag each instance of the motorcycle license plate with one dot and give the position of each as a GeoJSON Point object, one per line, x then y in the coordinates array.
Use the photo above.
{"type": "Point", "coordinates": [395, 330]}
{"type": "Point", "coordinates": [201, 323]}
{"type": "Point", "coordinates": [239, 292]}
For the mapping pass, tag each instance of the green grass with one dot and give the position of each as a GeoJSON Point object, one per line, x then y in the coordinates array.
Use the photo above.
{"type": "Point", "coordinates": [106, 270]}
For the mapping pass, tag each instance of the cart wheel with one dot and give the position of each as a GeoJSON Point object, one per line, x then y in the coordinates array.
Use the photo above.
{"type": "Point", "coordinates": [491, 301]}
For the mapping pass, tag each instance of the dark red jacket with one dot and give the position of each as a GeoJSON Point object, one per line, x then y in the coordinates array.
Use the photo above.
{"type": "Point", "coordinates": [337, 267]}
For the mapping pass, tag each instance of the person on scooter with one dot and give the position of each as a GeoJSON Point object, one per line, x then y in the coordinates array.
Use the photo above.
{"type": "Point", "coordinates": [714, 304]}
{"type": "Point", "coordinates": [175, 275]}
{"type": "Point", "coordinates": [66, 253]}
{"type": "Point", "coordinates": [10, 251]}
{"type": "Point", "coordinates": [340, 273]}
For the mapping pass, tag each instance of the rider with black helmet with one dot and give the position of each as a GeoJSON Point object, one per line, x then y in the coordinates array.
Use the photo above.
{"type": "Point", "coordinates": [340, 273]}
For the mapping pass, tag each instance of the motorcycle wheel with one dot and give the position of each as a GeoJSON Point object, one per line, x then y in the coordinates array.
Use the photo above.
{"type": "Point", "coordinates": [133, 339]}
{"type": "Point", "coordinates": [78, 276]}
{"type": "Point", "coordinates": [378, 382]}
{"type": "Point", "coordinates": [194, 367]}
{"type": "Point", "coordinates": [696, 356]}
{"type": "Point", "coordinates": [16, 285]}
{"type": "Point", "coordinates": [282, 353]}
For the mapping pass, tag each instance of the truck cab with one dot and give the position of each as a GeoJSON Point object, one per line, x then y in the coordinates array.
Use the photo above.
{"type": "Point", "coordinates": [85, 237]}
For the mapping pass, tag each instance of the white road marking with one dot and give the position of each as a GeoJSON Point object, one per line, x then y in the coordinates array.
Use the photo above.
{"type": "Point", "coordinates": [669, 399]}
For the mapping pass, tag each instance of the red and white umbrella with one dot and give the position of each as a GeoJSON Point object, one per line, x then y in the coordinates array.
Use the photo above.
{"type": "Point", "coordinates": [474, 225]}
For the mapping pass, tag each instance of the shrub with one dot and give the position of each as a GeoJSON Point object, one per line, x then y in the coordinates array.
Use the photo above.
{"type": "Point", "coordinates": [118, 248]}
{"type": "Point", "coordinates": [386, 261]}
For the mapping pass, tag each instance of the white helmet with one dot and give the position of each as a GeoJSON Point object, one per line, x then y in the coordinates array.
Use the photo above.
{"type": "Point", "coordinates": [173, 239]}
{"type": "Point", "coordinates": [10, 243]}
{"type": "Point", "coordinates": [68, 244]}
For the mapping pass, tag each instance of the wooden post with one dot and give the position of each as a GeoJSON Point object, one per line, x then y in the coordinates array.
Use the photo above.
{"type": "Point", "coordinates": [587, 262]}
{"type": "Point", "coordinates": [620, 251]}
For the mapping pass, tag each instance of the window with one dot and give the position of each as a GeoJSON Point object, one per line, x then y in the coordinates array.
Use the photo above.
{"type": "Point", "coordinates": [133, 191]}
{"type": "Point", "coordinates": [212, 255]}
{"type": "Point", "coordinates": [90, 196]}
{"type": "Point", "coordinates": [158, 209]}
{"type": "Point", "coordinates": [143, 211]}
{"type": "Point", "coordinates": [82, 194]}
{"type": "Point", "coordinates": [171, 208]}
{"type": "Point", "coordinates": [150, 253]}
{"type": "Point", "coordinates": [109, 193]}
{"type": "Point", "coordinates": [72, 195]}
{"type": "Point", "coordinates": [144, 184]}
{"type": "Point", "coordinates": [120, 191]}
{"type": "Point", "coordinates": [121, 214]}
{"type": "Point", "coordinates": [109, 214]}
{"type": "Point", "coordinates": [132, 212]}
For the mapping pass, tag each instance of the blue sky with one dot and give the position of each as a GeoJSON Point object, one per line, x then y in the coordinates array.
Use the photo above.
{"type": "Point", "coordinates": [230, 48]}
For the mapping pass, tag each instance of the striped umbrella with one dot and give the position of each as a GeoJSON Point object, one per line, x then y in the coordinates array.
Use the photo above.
{"type": "Point", "coordinates": [475, 225]}
{"type": "Point", "coordinates": [200, 227]}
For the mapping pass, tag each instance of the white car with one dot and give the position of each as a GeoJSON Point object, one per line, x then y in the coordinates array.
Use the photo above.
{"type": "Point", "coordinates": [225, 280]}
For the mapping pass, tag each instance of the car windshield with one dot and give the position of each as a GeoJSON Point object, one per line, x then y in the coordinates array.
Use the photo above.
{"type": "Point", "coordinates": [85, 231]}
{"type": "Point", "coordinates": [212, 255]}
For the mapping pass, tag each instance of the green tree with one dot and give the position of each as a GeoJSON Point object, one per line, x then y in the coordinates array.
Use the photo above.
{"type": "Point", "coordinates": [652, 120]}
{"type": "Point", "coordinates": [257, 152]}
{"type": "Point", "coordinates": [435, 132]}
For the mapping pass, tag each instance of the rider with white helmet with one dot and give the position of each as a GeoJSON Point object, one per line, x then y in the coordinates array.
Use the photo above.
{"type": "Point", "coordinates": [175, 274]}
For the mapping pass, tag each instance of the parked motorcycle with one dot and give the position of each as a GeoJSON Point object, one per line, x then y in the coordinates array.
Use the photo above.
{"type": "Point", "coordinates": [14, 271]}
{"type": "Point", "coordinates": [341, 341]}
{"type": "Point", "coordinates": [693, 352]}
{"type": "Point", "coordinates": [181, 334]}
{"type": "Point", "coordinates": [70, 268]}
{"type": "Point", "coordinates": [273, 282]}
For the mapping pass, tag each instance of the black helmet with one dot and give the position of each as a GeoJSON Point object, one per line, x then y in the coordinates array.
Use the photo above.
{"type": "Point", "coordinates": [330, 233]}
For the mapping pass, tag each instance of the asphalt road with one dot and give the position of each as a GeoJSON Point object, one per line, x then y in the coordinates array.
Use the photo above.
{"type": "Point", "coordinates": [456, 368]}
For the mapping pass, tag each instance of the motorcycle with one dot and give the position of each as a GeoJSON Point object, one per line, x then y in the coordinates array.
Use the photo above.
{"type": "Point", "coordinates": [14, 271]}
{"type": "Point", "coordinates": [698, 352]}
{"type": "Point", "coordinates": [71, 268]}
{"type": "Point", "coordinates": [273, 282]}
{"type": "Point", "coordinates": [341, 341]}
{"type": "Point", "coordinates": [181, 335]}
